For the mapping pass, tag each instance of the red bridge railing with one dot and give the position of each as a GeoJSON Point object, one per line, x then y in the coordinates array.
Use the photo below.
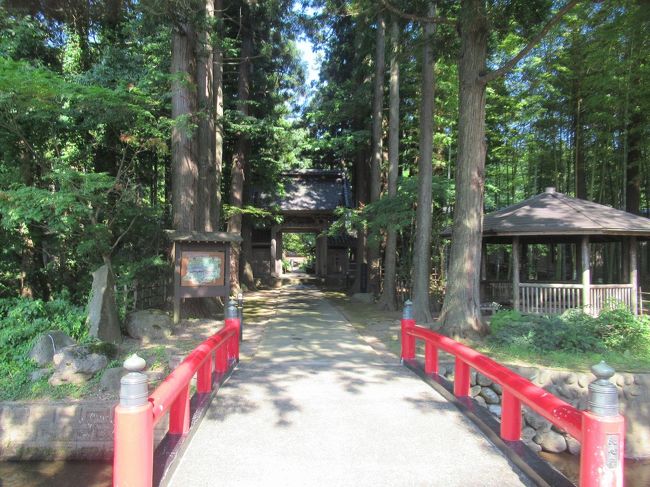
{"type": "Point", "coordinates": [600, 431]}
{"type": "Point", "coordinates": [138, 412]}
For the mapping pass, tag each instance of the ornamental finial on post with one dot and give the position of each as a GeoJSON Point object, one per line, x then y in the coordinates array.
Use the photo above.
{"type": "Point", "coordinates": [134, 387]}
{"type": "Point", "coordinates": [407, 314]}
{"type": "Point", "coordinates": [231, 309]}
{"type": "Point", "coordinates": [603, 395]}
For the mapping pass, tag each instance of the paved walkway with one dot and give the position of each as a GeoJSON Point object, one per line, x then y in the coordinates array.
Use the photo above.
{"type": "Point", "coordinates": [318, 407]}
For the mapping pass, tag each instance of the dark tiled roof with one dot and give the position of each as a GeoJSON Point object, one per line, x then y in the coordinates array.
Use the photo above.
{"type": "Point", "coordinates": [553, 213]}
{"type": "Point", "coordinates": [313, 190]}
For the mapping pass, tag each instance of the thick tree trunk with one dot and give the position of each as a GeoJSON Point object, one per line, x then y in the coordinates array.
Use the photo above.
{"type": "Point", "coordinates": [461, 315]}
{"type": "Point", "coordinates": [634, 157]}
{"type": "Point", "coordinates": [361, 171]}
{"type": "Point", "coordinates": [206, 128]}
{"type": "Point", "coordinates": [247, 275]}
{"type": "Point", "coordinates": [578, 141]}
{"type": "Point", "coordinates": [422, 245]}
{"type": "Point", "coordinates": [387, 300]}
{"type": "Point", "coordinates": [184, 167]}
{"type": "Point", "coordinates": [215, 215]}
{"type": "Point", "coordinates": [374, 252]}
{"type": "Point", "coordinates": [241, 151]}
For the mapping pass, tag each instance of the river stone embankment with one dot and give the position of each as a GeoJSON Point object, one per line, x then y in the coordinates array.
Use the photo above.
{"type": "Point", "coordinates": [539, 434]}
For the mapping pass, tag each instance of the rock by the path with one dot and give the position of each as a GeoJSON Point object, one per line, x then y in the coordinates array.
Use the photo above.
{"type": "Point", "coordinates": [149, 325]}
{"type": "Point", "coordinates": [489, 395]}
{"type": "Point", "coordinates": [68, 376]}
{"type": "Point", "coordinates": [573, 445]}
{"type": "Point", "coordinates": [480, 401]}
{"type": "Point", "coordinates": [495, 409]}
{"type": "Point", "coordinates": [80, 359]}
{"type": "Point", "coordinates": [103, 320]}
{"type": "Point", "coordinates": [551, 441]}
{"type": "Point", "coordinates": [527, 434]}
{"type": "Point", "coordinates": [475, 391]}
{"type": "Point", "coordinates": [39, 374]}
{"type": "Point", "coordinates": [366, 298]}
{"type": "Point", "coordinates": [110, 380]}
{"type": "Point", "coordinates": [536, 421]}
{"type": "Point", "coordinates": [47, 345]}
{"type": "Point", "coordinates": [483, 380]}
{"type": "Point", "coordinates": [497, 388]}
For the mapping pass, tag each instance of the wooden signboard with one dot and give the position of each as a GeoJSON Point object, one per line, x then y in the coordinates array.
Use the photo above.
{"type": "Point", "coordinates": [201, 266]}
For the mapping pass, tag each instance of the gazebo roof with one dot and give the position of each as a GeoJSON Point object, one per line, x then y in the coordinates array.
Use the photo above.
{"type": "Point", "coordinates": [555, 214]}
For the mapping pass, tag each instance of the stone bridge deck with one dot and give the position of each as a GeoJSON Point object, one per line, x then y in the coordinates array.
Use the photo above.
{"type": "Point", "coordinates": [318, 407]}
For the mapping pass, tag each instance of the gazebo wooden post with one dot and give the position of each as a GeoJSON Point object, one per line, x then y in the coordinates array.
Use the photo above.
{"type": "Point", "coordinates": [634, 275]}
{"type": "Point", "coordinates": [515, 272]}
{"type": "Point", "coordinates": [586, 273]}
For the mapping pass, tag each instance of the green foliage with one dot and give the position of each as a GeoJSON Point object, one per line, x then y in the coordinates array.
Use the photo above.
{"type": "Point", "coordinates": [302, 244]}
{"type": "Point", "coordinates": [21, 321]}
{"type": "Point", "coordinates": [616, 329]}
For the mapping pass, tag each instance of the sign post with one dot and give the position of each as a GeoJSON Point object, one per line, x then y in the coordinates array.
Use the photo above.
{"type": "Point", "coordinates": [201, 265]}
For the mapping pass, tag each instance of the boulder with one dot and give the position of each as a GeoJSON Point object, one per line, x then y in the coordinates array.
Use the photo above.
{"type": "Point", "coordinates": [483, 380]}
{"type": "Point", "coordinates": [110, 380]}
{"type": "Point", "coordinates": [536, 421]}
{"type": "Point", "coordinates": [480, 401]}
{"type": "Point", "coordinates": [495, 409]}
{"type": "Point", "coordinates": [497, 388]}
{"type": "Point", "coordinates": [149, 325]}
{"type": "Point", "coordinates": [47, 345]}
{"type": "Point", "coordinates": [366, 298]}
{"type": "Point", "coordinates": [80, 359]}
{"type": "Point", "coordinates": [551, 441]}
{"type": "Point", "coordinates": [527, 434]}
{"type": "Point", "coordinates": [472, 378]}
{"type": "Point", "coordinates": [103, 320]}
{"type": "Point", "coordinates": [475, 391]}
{"type": "Point", "coordinates": [68, 376]}
{"type": "Point", "coordinates": [573, 445]}
{"type": "Point", "coordinates": [39, 374]}
{"type": "Point", "coordinates": [489, 395]}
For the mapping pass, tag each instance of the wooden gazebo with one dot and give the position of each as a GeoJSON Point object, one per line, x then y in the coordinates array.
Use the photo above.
{"type": "Point", "coordinates": [547, 221]}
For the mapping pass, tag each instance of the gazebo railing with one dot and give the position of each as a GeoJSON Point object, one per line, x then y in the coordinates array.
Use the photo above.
{"type": "Point", "coordinates": [551, 298]}
{"type": "Point", "coordinates": [556, 298]}
{"type": "Point", "coordinates": [601, 294]}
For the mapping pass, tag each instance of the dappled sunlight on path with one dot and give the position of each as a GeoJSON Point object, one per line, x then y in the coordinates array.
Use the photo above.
{"type": "Point", "coordinates": [318, 406]}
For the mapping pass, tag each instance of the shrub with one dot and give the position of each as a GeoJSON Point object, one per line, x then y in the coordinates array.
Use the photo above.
{"type": "Point", "coordinates": [572, 332]}
{"type": "Point", "coordinates": [622, 331]}
{"type": "Point", "coordinates": [502, 318]}
{"type": "Point", "coordinates": [21, 321]}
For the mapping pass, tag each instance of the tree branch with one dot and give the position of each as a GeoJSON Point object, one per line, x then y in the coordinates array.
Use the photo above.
{"type": "Point", "coordinates": [417, 18]}
{"type": "Point", "coordinates": [491, 75]}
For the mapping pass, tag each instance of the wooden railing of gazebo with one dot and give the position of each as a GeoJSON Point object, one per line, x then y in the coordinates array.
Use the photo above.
{"type": "Point", "coordinates": [556, 298]}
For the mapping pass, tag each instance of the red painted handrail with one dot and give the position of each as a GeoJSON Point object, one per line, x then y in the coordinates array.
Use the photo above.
{"type": "Point", "coordinates": [602, 438]}
{"type": "Point", "coordinates": [554, 409]}
{"type": "Point", "coordinates": [133, 437]}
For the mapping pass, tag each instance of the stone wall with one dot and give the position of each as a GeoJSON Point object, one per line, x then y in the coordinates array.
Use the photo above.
{"type": "Point", "coordinates": [539, 434]}
{"type": "Point", "coordinates": [80, 430]}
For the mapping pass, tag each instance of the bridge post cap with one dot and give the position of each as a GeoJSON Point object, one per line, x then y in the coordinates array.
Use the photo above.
{"type": "Point", "coordinates": [134, 363]}
{"type": "Point", "coordinates": [407, 314]}
{"type": "Point", "coordinates": [603, 395]}
{"type": "Point", "coordinates": [231, 309]}
{"type": "Point", "coordinates": [134, 386]}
